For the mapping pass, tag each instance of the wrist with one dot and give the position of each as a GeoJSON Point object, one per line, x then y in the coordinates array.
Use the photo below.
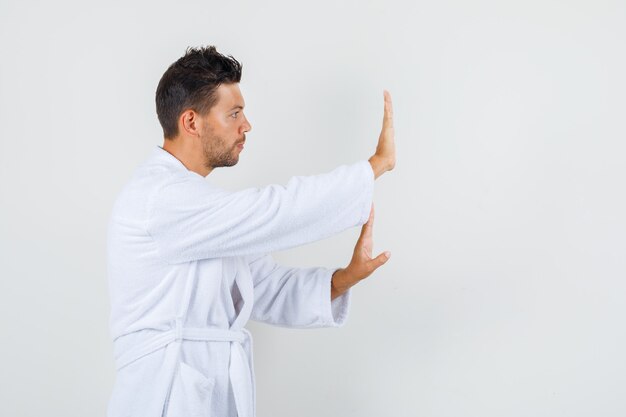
{"type": "Point", "coordinates": [339, 283]}
{"type": "Point", "coordinates": [377, 165]}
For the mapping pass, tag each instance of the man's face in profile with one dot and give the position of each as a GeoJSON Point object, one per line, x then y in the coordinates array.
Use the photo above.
{"type": "Point", "coordinates": [224, 128]}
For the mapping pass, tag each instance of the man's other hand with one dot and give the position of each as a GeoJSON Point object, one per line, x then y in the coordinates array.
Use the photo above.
{"type": "Point", "coordinates": [362, 265]}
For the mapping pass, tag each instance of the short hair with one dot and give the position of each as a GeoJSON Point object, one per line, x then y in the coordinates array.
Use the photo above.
{"type": "Point", "coordinates": [191, 83]}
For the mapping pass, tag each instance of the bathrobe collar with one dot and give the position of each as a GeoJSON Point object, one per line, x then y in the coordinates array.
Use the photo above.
{"type": "Point", "coordinates": [160, 154]}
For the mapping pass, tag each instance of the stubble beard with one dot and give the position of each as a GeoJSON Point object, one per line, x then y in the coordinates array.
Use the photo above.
{"type": "Point", "coordinates": [217, 152]}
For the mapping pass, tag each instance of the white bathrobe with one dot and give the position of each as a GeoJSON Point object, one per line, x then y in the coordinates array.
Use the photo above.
{"type": "Point", "coordinates": [189, 263]}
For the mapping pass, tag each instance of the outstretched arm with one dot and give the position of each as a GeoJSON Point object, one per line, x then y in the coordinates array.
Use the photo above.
{"type": "Point", "coordinates": [295, 297]}
{"type": "Point", "coordinates": [190, 219]}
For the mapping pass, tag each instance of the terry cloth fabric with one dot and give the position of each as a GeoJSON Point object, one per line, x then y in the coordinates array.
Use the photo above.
{"type": "Point", "coordinates": [189, 264]}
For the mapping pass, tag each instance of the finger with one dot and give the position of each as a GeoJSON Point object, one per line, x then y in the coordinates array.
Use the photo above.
{"type": "Point", "coordinates": [367, 227]}
{"type": "Point", "coordinates": [379, 260]}
{"type": "Point", "coordinates": [388, 116]}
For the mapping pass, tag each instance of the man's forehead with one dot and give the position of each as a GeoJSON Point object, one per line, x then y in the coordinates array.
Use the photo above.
{"type": "Point", "coordinates": [229, 97]}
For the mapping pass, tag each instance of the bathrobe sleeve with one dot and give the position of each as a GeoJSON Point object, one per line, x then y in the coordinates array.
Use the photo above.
{"type": "Point", "coordinates": [190, 219]}
{"type": "Point", "coordinates": [295, 297]}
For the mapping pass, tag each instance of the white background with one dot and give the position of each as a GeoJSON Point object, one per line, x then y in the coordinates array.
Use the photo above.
{"type": "Point", "coordinates": [504, 294]}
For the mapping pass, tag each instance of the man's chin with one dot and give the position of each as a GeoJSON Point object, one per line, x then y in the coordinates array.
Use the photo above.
{"type": "Point", "coordinates": [230, 163]}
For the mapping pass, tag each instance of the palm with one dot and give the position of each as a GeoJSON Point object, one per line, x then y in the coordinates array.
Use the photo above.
{"type": "Point", "coordinates": [366, 243]}
{"type": "Point", "coordinates": [386, 147]}
{"type": "Point", "coordinates": [360, 265]}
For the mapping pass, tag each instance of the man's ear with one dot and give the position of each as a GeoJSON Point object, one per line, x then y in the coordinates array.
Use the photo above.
{"type": "Point", "coordinates": [190, 122]}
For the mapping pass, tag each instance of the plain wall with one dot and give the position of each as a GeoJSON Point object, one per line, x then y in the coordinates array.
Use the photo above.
{"type": "Point", "coordinates": [504, 294]}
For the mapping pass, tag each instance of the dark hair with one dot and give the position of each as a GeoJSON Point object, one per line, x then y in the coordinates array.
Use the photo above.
{"type": "Point", "coordinates": [191, 83]}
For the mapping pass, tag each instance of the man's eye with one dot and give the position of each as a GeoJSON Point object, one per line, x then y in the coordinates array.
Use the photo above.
{"type": "Point", "coordinates": [234, 115]}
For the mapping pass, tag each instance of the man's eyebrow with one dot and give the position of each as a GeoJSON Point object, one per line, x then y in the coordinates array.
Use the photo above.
{"type": "Point", "coordinates": [236, 107]}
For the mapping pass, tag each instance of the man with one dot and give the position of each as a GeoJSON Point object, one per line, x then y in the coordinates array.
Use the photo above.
{"type": "Point", "coordinates": [190, 263]}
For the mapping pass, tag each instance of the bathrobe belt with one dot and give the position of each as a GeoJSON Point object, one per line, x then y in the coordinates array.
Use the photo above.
{"type": "Point", "coordinates": [241, 368]}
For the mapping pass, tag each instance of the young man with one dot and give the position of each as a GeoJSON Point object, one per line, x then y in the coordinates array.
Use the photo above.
{"type": "Point", "coordinates": [189, 263]}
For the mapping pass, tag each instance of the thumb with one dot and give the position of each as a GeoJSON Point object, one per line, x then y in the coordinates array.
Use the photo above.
{"type": "Point", "coordinates": [380, 260]}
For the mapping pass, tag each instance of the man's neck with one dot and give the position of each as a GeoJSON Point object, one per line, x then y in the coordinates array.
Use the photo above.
{"type": "Point", "coordinates": [189, 156]}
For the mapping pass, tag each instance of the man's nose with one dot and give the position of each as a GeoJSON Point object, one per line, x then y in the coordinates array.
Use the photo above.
{"type": "Point", "coordinates": [246, 125]}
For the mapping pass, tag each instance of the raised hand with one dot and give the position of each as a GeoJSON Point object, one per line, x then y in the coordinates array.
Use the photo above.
{"type": "Point", "coordinates": [361, 265]}
{"type": "Point", "coordinates": [385, 157]}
